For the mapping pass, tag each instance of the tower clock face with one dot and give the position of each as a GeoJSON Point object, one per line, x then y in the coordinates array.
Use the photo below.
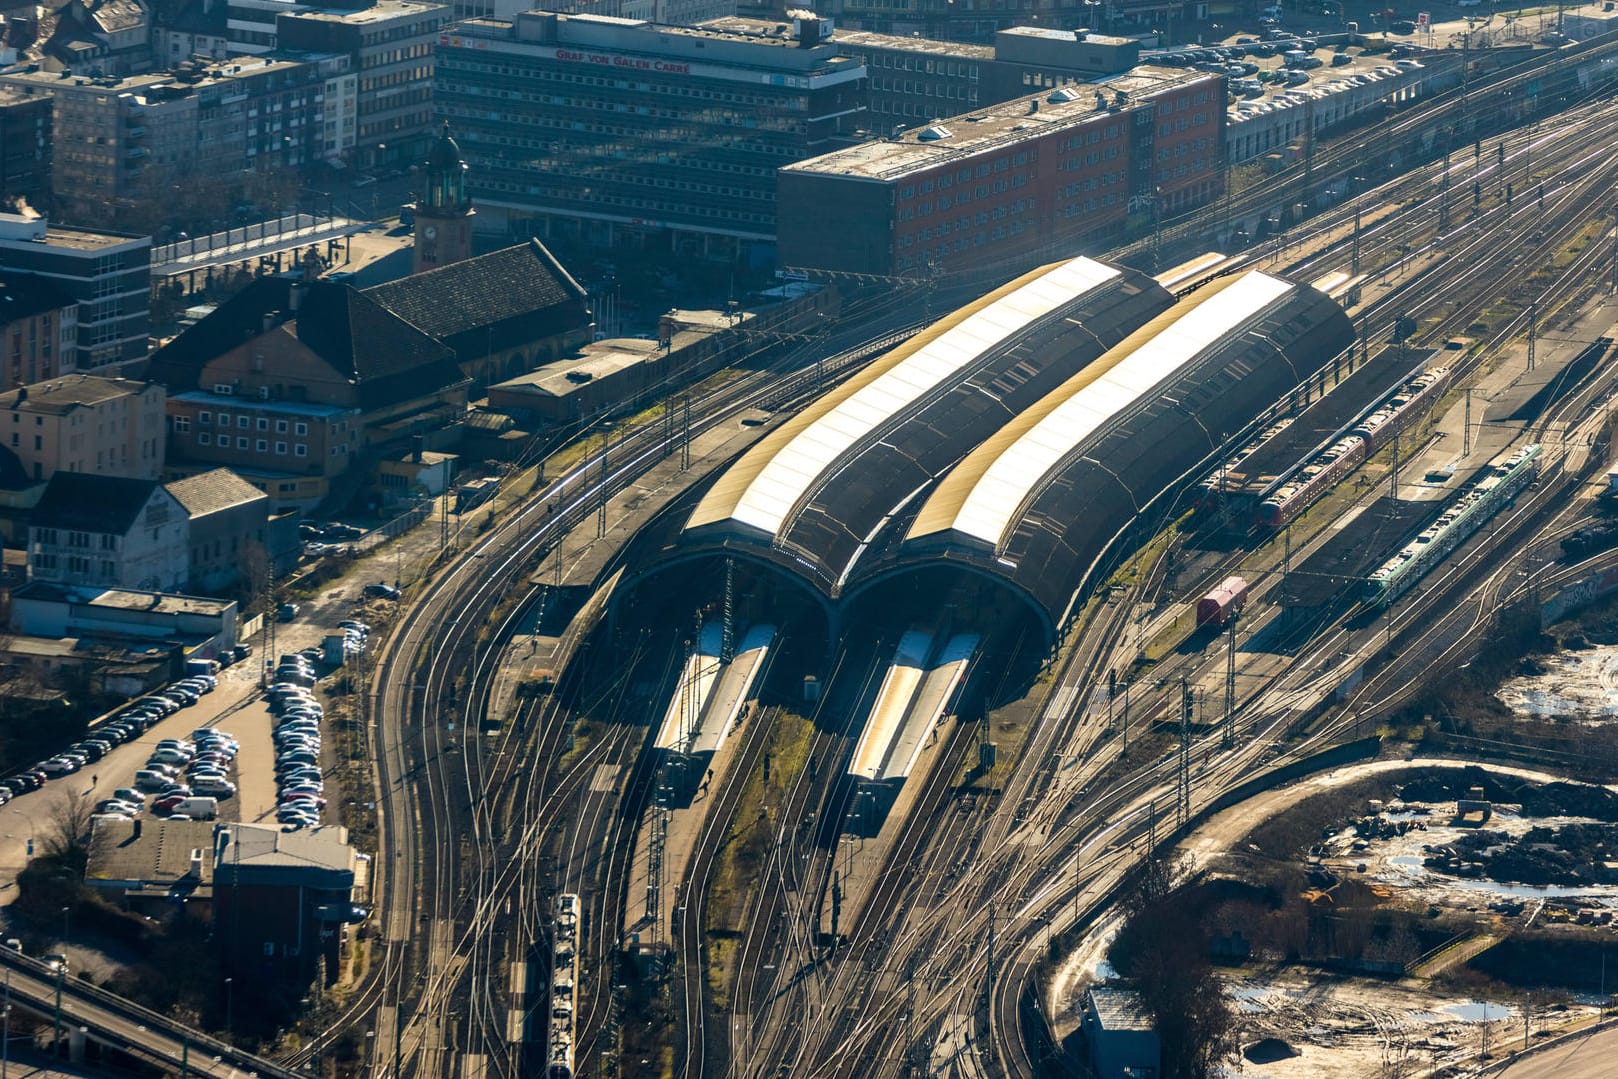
{"type": "Point", "coordinates": [431, 232]}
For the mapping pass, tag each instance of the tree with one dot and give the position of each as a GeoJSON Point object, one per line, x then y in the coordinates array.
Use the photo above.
{"type": "Point", "coordinates": [66, 834]}
{"type": "Point", "coordinates": [1162, 948]}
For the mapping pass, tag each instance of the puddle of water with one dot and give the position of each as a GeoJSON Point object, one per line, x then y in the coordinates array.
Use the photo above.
{"type": "Point", "coordinates": [1476, 1011]}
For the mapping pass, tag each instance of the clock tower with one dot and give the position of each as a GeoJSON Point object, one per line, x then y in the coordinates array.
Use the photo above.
{"type": "Point", "coordinates": [444, 213]}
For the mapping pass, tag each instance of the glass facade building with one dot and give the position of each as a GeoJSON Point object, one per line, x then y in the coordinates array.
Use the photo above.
{"type": "Point", "coordinates": [598, 129]}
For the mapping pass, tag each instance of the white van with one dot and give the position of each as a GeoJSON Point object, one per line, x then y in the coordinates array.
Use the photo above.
{"type": "Point", "coordinates": [214, 788]}
{"type": "Point", "coordinates": [198, 808]}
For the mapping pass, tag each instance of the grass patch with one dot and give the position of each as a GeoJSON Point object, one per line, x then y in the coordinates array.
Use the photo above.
{"type": "Point", "coordinates": [747, 843]}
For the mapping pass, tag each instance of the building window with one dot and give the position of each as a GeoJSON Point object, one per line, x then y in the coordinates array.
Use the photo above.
{"type": "Point", "coordinates": [204, 439]}
{"type": "Point", "coordinates": [224, 419]}
{"type": "Point", "coordinates": [300, 450]}
{"type": "Point", "coordinates": [281, 448]}
{"type": "Point", "coordinates": [301, 429]}
{"type": "Point", "coordinates": [204, 418]}
{"type": "Point", "coordinates": [182, 424]}
{"type": "Point", "coordinates": [280, 427]}
{"type": "Point", "coordinates": [243, 421]}
{"type": "Point", "coordinates": [263, 446]}
{"type": "Point", "coordinates": [241, 442]}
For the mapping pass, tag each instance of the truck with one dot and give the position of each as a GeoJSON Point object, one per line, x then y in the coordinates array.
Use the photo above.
{"type": "Point", "coordinates": [1218, 607]}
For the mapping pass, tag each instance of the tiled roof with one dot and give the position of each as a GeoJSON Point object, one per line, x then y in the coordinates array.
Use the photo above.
{"type": "Point", "coordinates": [388, 359]}
{"type": "Point", "coordinates": [209, 492]}
{"type": "Point", "coordinates": [517, 294]}
{"type": "Point", "coordinates": [90, 503]}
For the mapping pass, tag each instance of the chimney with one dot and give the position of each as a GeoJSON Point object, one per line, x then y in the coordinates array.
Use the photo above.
{"type": "Point", "coordinates": [196, 862]}
{"type": "Point", "coordinates": [808, 31]}
{"type": "Point", "coordinates": [416, 442]}
{"type": "Point", "coordinates": [269, 321]}
{"type": "Point", "coordinates": [22, 396]}
{"type": "Point", "coordinates": [1033, 106]}
{"type": "Point", "coordinates": [295, 297]}
{"type": "Point", "coordinates": [136, 833]}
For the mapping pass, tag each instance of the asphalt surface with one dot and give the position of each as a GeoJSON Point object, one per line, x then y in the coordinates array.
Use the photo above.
{"type": "Point", "coordinates": [1594, 1056]}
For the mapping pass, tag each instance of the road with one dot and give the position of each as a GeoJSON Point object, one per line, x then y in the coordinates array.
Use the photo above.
{"type": "Point", "coordinates": [1589, 1056]}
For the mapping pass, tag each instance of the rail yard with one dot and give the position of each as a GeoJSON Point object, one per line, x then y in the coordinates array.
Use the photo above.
{"type": "Point", "coordinates": [879, 677]}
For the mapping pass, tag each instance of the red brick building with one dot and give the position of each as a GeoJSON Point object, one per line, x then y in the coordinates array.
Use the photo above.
{"type": "Point", "coordinates": [1045, 174]}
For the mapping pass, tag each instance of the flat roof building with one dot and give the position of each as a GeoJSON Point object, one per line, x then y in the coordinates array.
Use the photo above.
{"type": "Point", "coordinates": [107, 273]}
{"type": "Point", "coordinates": [1039, 174]}
{"type": "Point", "coordinates": [390, 47]}
{"type": "Point", "coordinates": [626, 128]}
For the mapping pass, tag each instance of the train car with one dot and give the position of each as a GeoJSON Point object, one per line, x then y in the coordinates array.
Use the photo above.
{"type": "Point", "coordinates": [1218, 607]}
{"type": "Point", "coordinates": [561, 1034]}
{"type": "Point", "coordinates": [1398, 411]}
{"type": "Point", "coordinates": [1312, 481]}
{"type": "Point", "coordinates": [1230, 478]}
{"type": "Point", "coordinates": [1464, 516]}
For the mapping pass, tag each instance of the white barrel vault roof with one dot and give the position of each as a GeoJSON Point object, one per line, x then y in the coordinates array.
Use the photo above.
{"type": "Point", "coordinates": [992, 505]}
{"type": "Point", "coordinates": [788, 476]}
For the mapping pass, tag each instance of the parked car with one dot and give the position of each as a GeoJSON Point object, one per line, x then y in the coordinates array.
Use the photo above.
{"type": "Point", "coordinates": [288, 612]}
{"type": "Point", "coordinates": [129, 794]}
{"type": "Point", "coordinates": [150, 779]}
{"type": "Point", "coordinates": [58, 766]}
{"type": "Point", "coordinates": [382, 591]}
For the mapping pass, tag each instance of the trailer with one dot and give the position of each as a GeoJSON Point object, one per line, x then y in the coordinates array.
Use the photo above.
{"type": "Point", "coordinates": [1222, 604]}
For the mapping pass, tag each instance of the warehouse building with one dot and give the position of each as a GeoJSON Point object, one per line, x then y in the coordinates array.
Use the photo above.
{"type": "Point", "coordinates": [1068, 167]}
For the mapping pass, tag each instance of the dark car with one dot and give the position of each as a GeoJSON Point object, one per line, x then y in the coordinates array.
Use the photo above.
{"type": "Point", "coordinates": [381, 591]}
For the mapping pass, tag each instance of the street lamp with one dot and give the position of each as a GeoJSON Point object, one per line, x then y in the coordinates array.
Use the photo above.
{"type": "Point", "coordinates": [230, 1010]}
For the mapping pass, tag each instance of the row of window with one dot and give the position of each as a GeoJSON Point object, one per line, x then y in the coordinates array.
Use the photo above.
{"type": "Point", "coordinates": [205, 418]}
{"type": "Point", "coordinates": [965, 176]}
{"type": "Point", "coordinates": [52, 537]}
{"type": "Point", "coordinates": [299, 449]}
{"type": "Point", "coordinates": [77, 567]}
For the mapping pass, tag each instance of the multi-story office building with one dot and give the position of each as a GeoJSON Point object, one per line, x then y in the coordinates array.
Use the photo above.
{"type": "Point", "coordinates": [38, 326]}
{"type": "Point", "coordinates": [667, 12]}
{"type": "Point", "coordinates": [390, 46]}
{"type": "Point", "coordinates": [84, 423]}
{"type": "Point", "coordinates": [1044, 173]}
{"type": "Point", "coordinates": [913, 80]}
{"type": "Point", "coordinates": [150, 137]}
{"type": "Point", "coordinates": [107, 274]}
{"type": "Point", "coordinates": [603, 129]}
{"type": "Point", "coordinates": [25, 148]}
{"type": "Point", "coordinates": [979, 20]}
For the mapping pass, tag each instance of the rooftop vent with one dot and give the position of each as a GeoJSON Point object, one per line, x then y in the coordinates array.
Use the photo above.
{"type": "Point", "coordinates": [933, 133]}
{"type": "Point", "coordinates": [1063, 96]}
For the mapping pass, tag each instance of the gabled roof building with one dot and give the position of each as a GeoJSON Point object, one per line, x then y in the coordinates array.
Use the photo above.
{"type": "Point", "coordinates": [108, 532]}
{"type": "Point", "coordinates": [502, 314]}
{"type": "Point", "coordinates": [289, 384]}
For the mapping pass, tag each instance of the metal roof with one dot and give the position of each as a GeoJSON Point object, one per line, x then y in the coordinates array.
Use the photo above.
{"type": "Point", "coordinates": [793, 470]}
{"type": "Point", "coordinates": [990, 507]}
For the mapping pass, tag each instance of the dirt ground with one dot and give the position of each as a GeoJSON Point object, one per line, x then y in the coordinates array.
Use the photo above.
{"type": "Point", "coordinates": [1581, 686]}
{"type": "Point", "coordinates": [1345, 1027]}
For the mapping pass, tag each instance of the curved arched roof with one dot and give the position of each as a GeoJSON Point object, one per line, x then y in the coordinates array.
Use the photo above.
{"type": "Point", "coordinates": [819, 489]}
{"type": "Point", "coordinates": [982, 498]}
{"type": "Point", "coordinates": [1042, 501]}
